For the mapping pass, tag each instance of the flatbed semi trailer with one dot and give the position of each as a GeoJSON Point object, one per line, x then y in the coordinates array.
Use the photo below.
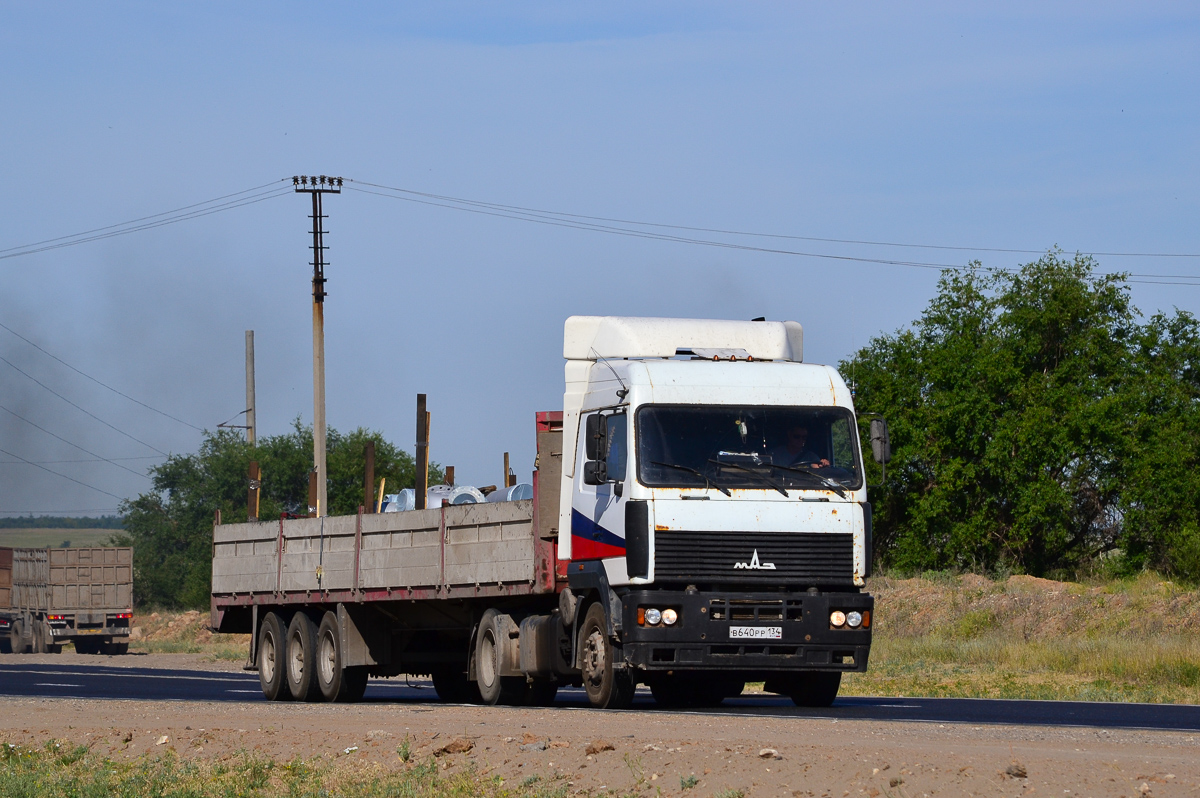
{"type": "Point", "coordinates": [699, 520]}
{"type": "Point", "coordinates": [78, 595]}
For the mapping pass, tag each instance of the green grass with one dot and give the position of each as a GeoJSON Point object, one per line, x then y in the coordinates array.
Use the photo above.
{"type": "Point", "coordinates": [63, 769]}
{"type": "Point", "coordinates": [42, 538]}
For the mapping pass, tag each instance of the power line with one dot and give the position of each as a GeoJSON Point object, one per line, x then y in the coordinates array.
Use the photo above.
{"type": "Point", "coordinates": [80, 409]}
{"type": "Point", "coordinates": [69, 443]}
{"type": "Point", "coordinates": [519, 208]}
{"type": "Point", "coordinates": [580, 222]}
{"type": "Point", "coordinates": [64, 476]}
{"type": "Point", "coordinates": [98, 382]}
{"type": "Point", "coordinates": [88, 460]}
{"type": "Point", "coordinates": [148, 222]}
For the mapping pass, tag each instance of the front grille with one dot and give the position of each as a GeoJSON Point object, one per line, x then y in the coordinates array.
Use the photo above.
{"type": "Point", "coordinates": [805, 558]}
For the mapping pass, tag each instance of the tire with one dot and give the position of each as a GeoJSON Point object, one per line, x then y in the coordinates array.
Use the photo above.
{"type": "Point", "coordinates": [116, 649]}
{"type": "Point", "coordinates": [86, 646]}
{"type": "Point", "coordinates": [453, 686]}
{"type": "Point", "coordinates": [6, 645]}
{"type": "Point", "coordinates": [489, 642]}
{"type": "Point", "coordinates": [16, 637]}
{"type": "Point", "coordinates": [331, 671]}
{"type": "Point", "coordinates": [815, 688]}
{"type": "Point", "coordinates": [606, 686]}
{"type": "Point", "coordinates": [301, 659]}
{"type": "Point", "coordinates": [541, 693]}
{"type": "Point", "coordinates": [39, 638]}
{"type": "Point", "coordinates": [271, 660]}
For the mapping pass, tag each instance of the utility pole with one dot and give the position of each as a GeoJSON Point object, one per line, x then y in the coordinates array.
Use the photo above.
{"type": "Point", "coordinates": [318, 186]}
{"type": "Point", "coordinates": [250, 387]}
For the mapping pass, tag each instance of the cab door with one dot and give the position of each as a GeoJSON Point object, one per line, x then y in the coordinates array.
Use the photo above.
{"type": "Point", "coordinates": [598, 504]}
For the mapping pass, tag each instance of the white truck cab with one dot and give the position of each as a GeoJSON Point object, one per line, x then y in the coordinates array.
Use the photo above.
{"type": "Point", "coordinates": [713, 494]}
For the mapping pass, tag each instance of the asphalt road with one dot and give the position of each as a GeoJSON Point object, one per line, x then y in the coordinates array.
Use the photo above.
{"type": "Point", "coordinates": [99, 682]}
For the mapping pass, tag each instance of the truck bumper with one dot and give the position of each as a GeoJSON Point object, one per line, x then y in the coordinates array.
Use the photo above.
{"type": "Point", "coordinates": [753, 633]}
{"type": "Point", "coordinates": [67, 633]}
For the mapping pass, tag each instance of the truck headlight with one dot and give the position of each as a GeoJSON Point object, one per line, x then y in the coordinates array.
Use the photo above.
{"type": "Point", "coordinates": [669, 617]}
{"type": "Point", "coordinates": [854, 619]}
{"type": "Point", "coordinates": [653, 617]}
{"type": "Point", "coordinates": [837, 618]}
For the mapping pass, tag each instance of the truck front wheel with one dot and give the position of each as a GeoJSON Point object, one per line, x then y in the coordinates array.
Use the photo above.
{"type": "Point", "coordinates": [301, 658]}
{"type": "Point", "coordinates": [271, 665]}
{"type": "Point", "coordinates": [606, 686]}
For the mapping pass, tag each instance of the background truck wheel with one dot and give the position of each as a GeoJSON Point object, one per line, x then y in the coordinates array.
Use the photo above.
{"type": "Point", "coordinates": [39, 638]}
{"type": "Point", "coordinates": [6, 645]}
{"type": "Point", "coordinates": [541, 693]}
{"type": "Point", "coordinates": [16, 637]}
{"type": "Point", "coordinates": [87, 646]}
{"type": "Point", "coordinates": [452, 685]}
{"type": "Point", "coordinates": [116, 649]}
{"type": "Point", "coordinates": [301, 658]}
{"type": "Point", "coordinates": [815, 689]}
{"type": "Point", "coordinates": [606, 687]}
{"type": "Point", "coordinates": [336, 682]}
{"type": "Point", "coordinates": [271, 667]}
{"type": "Point", "coordinates": [489, 649]}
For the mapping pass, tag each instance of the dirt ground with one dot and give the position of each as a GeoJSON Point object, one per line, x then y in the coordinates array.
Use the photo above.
{"type": "Point", "coordinates": [647, 752]}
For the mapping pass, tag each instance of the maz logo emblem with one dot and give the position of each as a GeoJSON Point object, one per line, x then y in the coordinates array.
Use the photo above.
{"type": "Point", "coordinates": [755, 565]}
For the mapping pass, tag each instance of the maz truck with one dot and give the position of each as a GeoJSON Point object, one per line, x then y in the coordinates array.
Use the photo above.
{"type": "Point", "coordinates": [699, 520]}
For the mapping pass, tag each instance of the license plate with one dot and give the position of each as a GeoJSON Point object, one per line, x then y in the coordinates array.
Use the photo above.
{"type": "Point", "coordinates": [89, 631]}
{"type": "Point", "coordinates": [756, 633]}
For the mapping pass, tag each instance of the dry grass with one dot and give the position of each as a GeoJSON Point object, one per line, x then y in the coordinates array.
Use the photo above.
{"type": "Point", "coordinates": [164, 632]}
{"type": "Point", "coordinates": [967, 636]}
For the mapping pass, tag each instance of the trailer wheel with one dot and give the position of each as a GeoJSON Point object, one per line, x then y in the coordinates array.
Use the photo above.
{"type": "Point", "coordinates": [336, 681]}
{"type": "Point", "coordinates": [301, 658]}
{"type": "Point", "coordinates": [39, 638]}
{"type": "Point", "coordinates": [116, 649]}
{"type": "Point", "coordinates": [815, 688]}
{"type": "Point", "coordinates": [489, 643]}
{"type": "Point", "coordinates": [16, 637]}
{"type": "Point", "coordinates": [606, 686]}
{"type": "Point", "coordinates": [85, 646]}
{"type": "Point", "coordinates": [271, 659]}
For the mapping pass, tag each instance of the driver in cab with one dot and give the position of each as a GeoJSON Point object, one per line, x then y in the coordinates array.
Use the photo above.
{"type": "Point", "coordinates": [795, 452]}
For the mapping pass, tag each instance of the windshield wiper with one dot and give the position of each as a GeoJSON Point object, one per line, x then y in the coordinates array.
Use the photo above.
{"type": "Point", "coordinates": [761, 477]}
{"type": "Point", "coordinates": [707, 482]}
{"type": "Point", "coordinates": [826, 481]}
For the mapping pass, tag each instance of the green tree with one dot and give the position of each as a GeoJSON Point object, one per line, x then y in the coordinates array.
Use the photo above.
{"type": "Point", "coordinates": [170, 527]}
{"type": "Point", "coordinates": [1034, 423]}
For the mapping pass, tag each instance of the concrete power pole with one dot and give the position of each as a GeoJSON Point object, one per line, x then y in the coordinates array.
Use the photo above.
{"type": "Point", "coordinates": [250, 387]}
{"type": "Point", "coordinates": [318, 186]}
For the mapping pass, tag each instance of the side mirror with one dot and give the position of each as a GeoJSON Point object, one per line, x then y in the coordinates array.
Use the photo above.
{"type": "Point", "coordinates": [594, 438]}
{"type": "Point", "coordinates": [595, 472]}
{"type": "Point", "coordinates": [881, 444]}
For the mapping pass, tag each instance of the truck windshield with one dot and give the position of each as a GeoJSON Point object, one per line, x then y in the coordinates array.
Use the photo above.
{"type": "Point", "coordinates": [747, 447]}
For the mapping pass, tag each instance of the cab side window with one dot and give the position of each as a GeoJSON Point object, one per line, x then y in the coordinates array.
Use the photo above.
{"type": "Point", "coordinates": [617, 445]}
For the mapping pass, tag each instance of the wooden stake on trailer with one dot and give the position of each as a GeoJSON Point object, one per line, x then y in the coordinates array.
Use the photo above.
{"type": "Point", "coordinates": [504, 481]}
{"type": "Point", "coordinates": [422, 458]}
{"type": "Point", "coordinates": [448, 476]}
{"type": "Point", "coordinates": [312, 494]}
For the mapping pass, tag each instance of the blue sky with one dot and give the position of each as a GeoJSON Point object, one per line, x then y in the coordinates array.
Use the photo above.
{"type": "Point", "coordinates": [1018, 127]}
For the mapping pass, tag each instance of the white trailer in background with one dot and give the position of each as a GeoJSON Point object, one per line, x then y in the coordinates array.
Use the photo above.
{"type": "Point", "coordinates": [700, 519]}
